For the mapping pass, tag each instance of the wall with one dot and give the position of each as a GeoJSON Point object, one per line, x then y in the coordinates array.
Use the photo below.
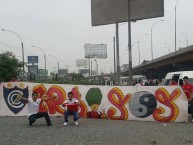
{"type": "Point", "coordinates": [158, 103]}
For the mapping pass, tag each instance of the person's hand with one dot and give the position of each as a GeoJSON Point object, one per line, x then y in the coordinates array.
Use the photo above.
{"type": "Point", "coordinates": [54, 96]}
{"type": "Point", "coordinates": [64, 105]}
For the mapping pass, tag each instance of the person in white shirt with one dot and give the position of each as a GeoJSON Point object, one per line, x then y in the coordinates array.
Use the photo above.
{"type": "Point", "coordinates": [159, 82]}
{"type": "Point", "coordinates": [140, 83]}
{"type": "Point", "coordinates": [72, 105]}
{"type": "Point", "coordinates": [33, 107]}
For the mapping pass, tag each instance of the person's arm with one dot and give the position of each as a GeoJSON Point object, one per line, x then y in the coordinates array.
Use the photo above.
{"type": "Point", "coordinates": [22, 98]}
{"type": "Point", "coordinates": [48, 98]}
{"type": "Point", "coordinates": [64, 104]}
{"type": "Point", "coordinates": [191, 93]}
{"type": "Point", "coordinates": [77, 103]}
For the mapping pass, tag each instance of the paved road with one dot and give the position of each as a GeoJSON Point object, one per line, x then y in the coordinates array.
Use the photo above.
{"type": "Point", "coordinates": [15, 131]}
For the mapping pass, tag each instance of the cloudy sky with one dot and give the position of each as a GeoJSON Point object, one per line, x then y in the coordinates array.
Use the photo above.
{"type": "Point", "coordinates": [62, 27]}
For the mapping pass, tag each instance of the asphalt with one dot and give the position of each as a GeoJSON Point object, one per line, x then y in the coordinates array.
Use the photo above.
{"type": "Point", "coordinates": [16, 131]}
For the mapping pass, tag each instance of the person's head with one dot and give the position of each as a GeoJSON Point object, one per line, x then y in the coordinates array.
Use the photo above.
{"type": "Point", "coordinates": [13, 78]}
{"type": "Point", "coordinates": [173, 80]}
{"type": "Point", "coordinates": [159, 81]}
{"type": "Point", "coordinates": [70, 95]}
{"type": "Point", "coordinates": [185, 79]}
{"type": "Point", "coordinates": [34, 96]}
{"type": "Point", "coordinates": [140, 81]}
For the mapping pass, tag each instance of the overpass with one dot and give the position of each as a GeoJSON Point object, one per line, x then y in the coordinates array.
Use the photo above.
{"type": "Point", "coordinates": [181, 60]}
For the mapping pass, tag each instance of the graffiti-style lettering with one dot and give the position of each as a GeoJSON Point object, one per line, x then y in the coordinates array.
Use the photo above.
{"type": "Point", "coordinates": [165, 98]}
{"type": "Point", "coordinates": [117, 98]}
{"type": "Point", "coordinates": [52, 105]}
{"type": "Point", "coordinates": [83, 107]}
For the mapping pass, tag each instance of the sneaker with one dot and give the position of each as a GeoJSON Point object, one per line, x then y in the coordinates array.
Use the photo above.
{"type": "Point", "coordinates": [76, 123]}
{"type": "Point", "coordinates": [49, 124]}
{"type": "Point", "coordinates": [65, 123]}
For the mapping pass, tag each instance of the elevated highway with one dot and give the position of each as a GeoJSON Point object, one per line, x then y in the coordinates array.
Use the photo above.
{"type": "Point", "coordinates": [181, 60]}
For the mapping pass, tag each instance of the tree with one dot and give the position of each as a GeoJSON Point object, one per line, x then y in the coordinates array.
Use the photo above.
{"type": "Point", "coordinates": [9, 66]}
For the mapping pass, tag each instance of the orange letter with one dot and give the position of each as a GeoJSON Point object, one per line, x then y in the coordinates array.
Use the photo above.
{"type": "Point", "coordinates": [117, 98]}
{"type": "Point", "coordinates": [165, 98]}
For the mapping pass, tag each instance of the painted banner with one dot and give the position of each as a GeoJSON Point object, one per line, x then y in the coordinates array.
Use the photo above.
{"type": "Point", "coordinates": [147, 103]}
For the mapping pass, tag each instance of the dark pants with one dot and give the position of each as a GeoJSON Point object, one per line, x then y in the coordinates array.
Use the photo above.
{"type": "Point", "coordinates": [191, 108]}
{"type": "Point", "coordinates": [32, 118]}
{"type": "Point", "coordinates": [67, 113]}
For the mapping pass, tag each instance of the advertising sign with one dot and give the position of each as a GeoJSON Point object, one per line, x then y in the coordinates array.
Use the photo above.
{"type": "Point", "coordinates": [32, 59]}
{"type": "Point", "coordinates": [95, 50]}
{"type": "Point", "coordinates": [116, 11]}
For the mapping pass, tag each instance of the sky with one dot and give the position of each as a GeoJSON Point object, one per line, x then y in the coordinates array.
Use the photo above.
{"type": "Point", "coordinates": [62, 28]}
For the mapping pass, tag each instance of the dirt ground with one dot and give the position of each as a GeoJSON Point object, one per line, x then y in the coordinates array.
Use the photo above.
{"type": "Point", "coordinates": [15, 131]}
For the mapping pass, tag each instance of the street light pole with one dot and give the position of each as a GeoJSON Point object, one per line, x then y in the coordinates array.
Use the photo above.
{"type": "Point", "coordinates": [175, 25]}
{"type": "Point", "coordinates": [117, 71]}
{"type": "Point", "coordinates": [139, 51]}
{"type": "Point", "coordinates": [44, 58]}
{"type": "Point", "coordinates": [114, 59]}
{"type": "Point", "coordinates": [117, 50]}
{"type": "Point", "coordinates": [152, 37]}
{"type": "Point", "coordinates": [129, 44]}
{"type": "Point", "coordinates": [139, 45]}
{"type": "Point", "coordinates": [21, 47]}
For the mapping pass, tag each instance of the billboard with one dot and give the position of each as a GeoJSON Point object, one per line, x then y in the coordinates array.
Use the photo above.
{"type": "Point", "coordinates": [33, 69]}
{"type": "Point", "coordinates": [32, 59]}
{"type": "Point", "coordinates": [95, 50]}
{"type": "Point", "coordinates": [115, 11]}
{"type": "Point", "coordinates": [81, 62]}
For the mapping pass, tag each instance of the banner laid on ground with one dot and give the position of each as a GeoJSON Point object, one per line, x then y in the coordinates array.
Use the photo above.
{"type": "Point", "coordinates": [159, 103]}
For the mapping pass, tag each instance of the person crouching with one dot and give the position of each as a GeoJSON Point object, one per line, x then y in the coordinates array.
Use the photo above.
{"type": "Point", "coordinates": [72, 105]}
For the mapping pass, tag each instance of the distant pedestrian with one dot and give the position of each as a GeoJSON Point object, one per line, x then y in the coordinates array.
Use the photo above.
{"type": "Point", "coordinates": [148, 83]}
{"type": "Point", "coordinates": [13, 79]}
{"type": "Point", "coordinates": [159, 82]}
{"type": "Point", "coordinates": [188, 90]}
{"type": "Point", "coordinates": [140, 83]}
{"type": "Point", "coordinates": [173, 82]}
{"type": "Point", "coordinates": [152, 83]}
